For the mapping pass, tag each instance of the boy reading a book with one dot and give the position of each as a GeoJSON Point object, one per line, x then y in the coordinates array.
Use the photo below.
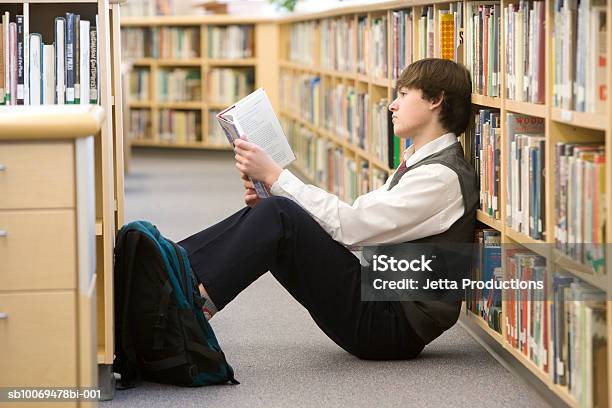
{"type": "Point", "coordinates": [302, 234]}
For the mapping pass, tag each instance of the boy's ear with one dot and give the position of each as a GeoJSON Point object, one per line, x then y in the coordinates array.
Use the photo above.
{"type": "Point", "coordinates": [437, 101]}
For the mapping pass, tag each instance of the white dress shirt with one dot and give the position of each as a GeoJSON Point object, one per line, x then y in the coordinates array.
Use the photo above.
{"type": "Point", "coordinates": [426, 201]}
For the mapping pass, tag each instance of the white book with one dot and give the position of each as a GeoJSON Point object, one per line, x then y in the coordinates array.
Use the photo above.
{"type": "Point", "coordinates": [48, 75]}
{"type": "Point", "coordinates": [254, 117]}
{"type": "Point", "coordinates": [7, 52]}
{"type": "Point", "coordinates": [26, 53]}
{"type": "Point", "coordinates": [60, 79]}
{"type": "Point", "coordinates": [84, 62]}
{"type": "Point", "coordinates": [35, 66]}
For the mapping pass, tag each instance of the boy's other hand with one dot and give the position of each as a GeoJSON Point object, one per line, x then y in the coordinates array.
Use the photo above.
{"type": "Point", "coordinates": [250, 196]}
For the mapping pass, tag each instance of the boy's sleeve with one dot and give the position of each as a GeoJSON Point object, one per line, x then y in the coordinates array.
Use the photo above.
{"type": "Point", "coordinates": [426, 201]}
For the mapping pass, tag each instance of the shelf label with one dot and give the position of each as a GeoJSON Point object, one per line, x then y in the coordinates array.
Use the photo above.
{"type": "Point", "coordinates": [566, 115]}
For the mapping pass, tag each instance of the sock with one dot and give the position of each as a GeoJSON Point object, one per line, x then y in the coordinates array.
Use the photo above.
{"type": "Point", "coordinates": [208, 308]}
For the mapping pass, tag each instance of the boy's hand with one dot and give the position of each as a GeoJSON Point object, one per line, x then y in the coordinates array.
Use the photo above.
{"type": "Point", "coordinates": [250, 196]}
{"type": "Point", "coordinates": [253, 161]}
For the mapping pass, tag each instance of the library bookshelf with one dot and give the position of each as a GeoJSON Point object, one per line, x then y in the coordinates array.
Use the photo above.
{"type": "Point", "coordinates": [39, 18]}
{"type": "Point", "coordinates": [262, 63]}
{"type": "Point", "coordinates": [561, 125]}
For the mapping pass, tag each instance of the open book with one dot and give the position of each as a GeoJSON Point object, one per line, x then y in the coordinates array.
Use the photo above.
{"type": "Point", "coordinates": [254, 117]}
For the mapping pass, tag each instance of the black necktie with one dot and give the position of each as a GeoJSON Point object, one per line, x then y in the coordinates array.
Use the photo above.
{"type": "Point", "coordinates": [401, 170]}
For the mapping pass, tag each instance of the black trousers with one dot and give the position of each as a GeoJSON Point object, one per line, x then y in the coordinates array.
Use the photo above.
{"type": "Point", "coordinates": [279, 236]}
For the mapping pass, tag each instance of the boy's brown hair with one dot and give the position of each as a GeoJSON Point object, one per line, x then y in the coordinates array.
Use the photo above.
{"type": "Point", "coordinates": [435, 77]}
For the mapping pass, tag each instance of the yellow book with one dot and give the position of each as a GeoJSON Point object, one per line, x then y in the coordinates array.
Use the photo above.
{"type": "Point", "coordinates": [447, 35]}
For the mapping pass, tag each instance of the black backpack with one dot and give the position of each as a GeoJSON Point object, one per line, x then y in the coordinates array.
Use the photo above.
{"type": "Point", "coordinates": [161, 334]}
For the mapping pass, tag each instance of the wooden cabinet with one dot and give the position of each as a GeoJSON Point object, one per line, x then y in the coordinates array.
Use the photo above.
{"type": "Point", "coordinates": [48, 248]}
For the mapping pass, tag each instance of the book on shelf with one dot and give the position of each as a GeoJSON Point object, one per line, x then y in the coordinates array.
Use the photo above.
{"type": "Point", "coordinates": [160, 42]}
{"type": "Point", "coordinates": [483, 151]}
{"type": "Point", "coordinates": [179, 126]}
{"type": "Point", "coordinates": [302, 45]}
{"type": "Point", "coordinates": [486, 266]}
{"type": "Point", "coordinates": [525, 46]}
{"type": "Point", "coordinates": [363, 44]}
{"type": "Point", "coordinates": [483, 46]}
{"type": "Point", "coordinates": [140, 124]}
{"type": "Point", "coordinates": [254, 117]}
{"type": "Point", "coordinates": [338, 43]}
{"type": "Point", "coordinates": [35, 73]}
{"type": "Point", "coordinates": [580, 190]}
{"type": "Point", "coordinates": [525, 195]}
{"type": "Point", "coordinates": [377, 52]}
{"type": "Point", "coordinates": [579, 340]}
{"type": "Point", "coordinates": [401, 40]}
{"type": "Point", "coordinates": [579, 55]}
{"type": "Point", "coordinates": [231, 41]}
{"type": "Point", "coordinates": [226, 85]}
{"type": "Point", "coordinates": [138, 87]}
{"type": "Point", "coordinates": [179, 85]}
{"type": "Point", "coordinates": [426, 33]}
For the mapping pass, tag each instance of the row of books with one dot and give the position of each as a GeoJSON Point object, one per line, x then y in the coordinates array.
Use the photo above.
{"type": "Point", "coordinates": [525, 184]}
{"type": "Point", "coordinates": [160, 42]}
{"type": "Point", "coordinates": [139, 122]}
{"type": "Point", "coordinates": [302, 141]}
{"type": "Point", "coordinates": [326, 164]}
{"type": "Point", "coordinates": [179, 85]}
{"type": "Point", "coordinates": [227, 85]}
{"type": "Point", "coordinates": [483, 35]}
{"type": "Point", "coordinates": [347, 112]}
{"type": "Point", "coordinates": [486, 266]}
{"type": "Point", "coordinates": [580, 202]}
{"type": "Point", "coordinates": [526, 318]}
{"type": "Point", "coordinates": [177, 126]}
{"type": "Point", "coordinates": [572, 347]}
{"type": "Point", "coordinates": [142, 8]}
{"type": "Point", "coordinates": [484, 153]}
{"type": "Point", "coordinates": [139, 84]}
{"type": "Point", "coordinates": [579, 340]}
{"type": "Point", "coordinates": [402, 41]}
{"type": "Point", "coordinates": [579, 38]}
{"type": "Point", "coordinates": [445, 42]}
{"type": "Point", "coordinates": [35, 73]}
{"type": "Point", "coordinates": [338, 43]}
{"type": "Point", "coordinates": [231, 42]}
{"type": "Point", "coordinates": [337, 173]}
{"type": "Point", "coordinates": [525, 46]}
{"type": "Point", "coordinates": [302, 43]}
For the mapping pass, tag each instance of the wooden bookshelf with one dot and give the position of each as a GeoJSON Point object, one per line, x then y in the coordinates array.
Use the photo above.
{"type": "Point", "coordinates": [108, 150]}
{"type": "Point", "coordinates": [560, 126]}
{"type": "Point", "coordinates": [263, 63]}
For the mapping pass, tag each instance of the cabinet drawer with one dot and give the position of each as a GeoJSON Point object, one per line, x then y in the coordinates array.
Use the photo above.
{"type": "Point", "coordinates": [38, 339]}
{"type": "Point", "coordinates": [36, 175]}
{"type": "Point", "coordinates": [38, 250]}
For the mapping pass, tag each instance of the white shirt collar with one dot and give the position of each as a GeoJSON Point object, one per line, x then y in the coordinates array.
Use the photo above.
{"type": "Point", "coordinates": [411, 157]}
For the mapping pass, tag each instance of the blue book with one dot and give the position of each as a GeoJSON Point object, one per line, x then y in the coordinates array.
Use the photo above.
{"type": "Point", "coordinates": [70, 58]}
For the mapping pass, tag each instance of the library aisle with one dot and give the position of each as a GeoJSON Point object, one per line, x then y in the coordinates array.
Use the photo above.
{"type": "Point", "coordinates": [279, 355]}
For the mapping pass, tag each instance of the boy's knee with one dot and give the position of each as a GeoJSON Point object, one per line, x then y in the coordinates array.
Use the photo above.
{"type": "Point", "coordinates": [276, 203]}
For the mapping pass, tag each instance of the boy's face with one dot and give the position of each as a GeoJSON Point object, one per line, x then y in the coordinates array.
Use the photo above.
{"type": "Point", "coordinates": [411, 113]}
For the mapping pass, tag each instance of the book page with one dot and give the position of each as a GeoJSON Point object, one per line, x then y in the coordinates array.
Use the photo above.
{"type": "Point", "coordinates": [259, 122]}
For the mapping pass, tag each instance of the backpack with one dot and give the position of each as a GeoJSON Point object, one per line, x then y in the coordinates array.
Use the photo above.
{"type": "Point", "coordinates": [161, 334]}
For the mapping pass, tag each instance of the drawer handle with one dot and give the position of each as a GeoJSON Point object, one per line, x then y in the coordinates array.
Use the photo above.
{"type": "Point", "coordinates": [3, 315]}
{"type": "Point", "coordinates": [2, 167]}
{"type": "Point", "coordinates": [3, 233]}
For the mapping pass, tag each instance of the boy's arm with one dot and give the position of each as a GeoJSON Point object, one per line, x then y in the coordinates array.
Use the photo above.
{"type": "Point", "coordinates": [427, 201]}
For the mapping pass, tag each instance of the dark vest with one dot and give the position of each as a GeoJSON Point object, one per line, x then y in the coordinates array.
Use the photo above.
{"type": "Point", "coordinates": [431, 318]}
